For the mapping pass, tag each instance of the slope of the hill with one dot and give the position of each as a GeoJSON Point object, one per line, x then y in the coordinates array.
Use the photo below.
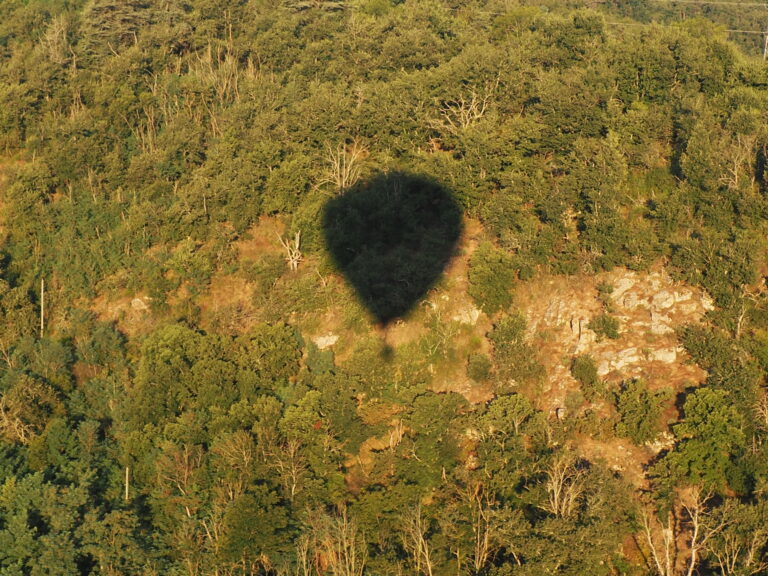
{"type": "Point", "coordinates": [372, 287]}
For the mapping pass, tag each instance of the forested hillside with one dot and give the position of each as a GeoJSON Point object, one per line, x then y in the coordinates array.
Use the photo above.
{"type": "Point", "coordinates": [278, 285]}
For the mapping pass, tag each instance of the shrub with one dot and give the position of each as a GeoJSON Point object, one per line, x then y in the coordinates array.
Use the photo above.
{"type": "Point", "coordinates": [264, 272]}
{"type": "Point", "coordinates": [515, 359]}
{"type": "Point", "coordinates": [604, 292]}
{"type": "Point", "coordinates": [639, 410]}
{"type": "Point", "coordinates": [583, 368]}
{"type": "Point", "coordinates": [479, 367]}
{"type": "Point", "coordinates": [491, 274]}
{"type": "Point", "coordinates": [605, 326]}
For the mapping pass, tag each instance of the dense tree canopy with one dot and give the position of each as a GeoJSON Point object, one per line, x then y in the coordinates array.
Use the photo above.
{"type": "Point", "coordinates": [143, 141]}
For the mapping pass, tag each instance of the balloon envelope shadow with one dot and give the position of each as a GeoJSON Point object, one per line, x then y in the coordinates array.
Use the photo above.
{"type": "Point", "coordinates": [392, 236]}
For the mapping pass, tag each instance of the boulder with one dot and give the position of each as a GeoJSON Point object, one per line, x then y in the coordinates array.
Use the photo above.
{"type": "Point", "coordinates": [660, 323]}
{"type": "Point", "coordinates": [632, 300]}
{"type": "Point", "coordinates": [468, 315]}
{"type": "Point", "coordinates": [683, 295]}
{"type": "Point", "coordinates": [665, 355]}
{"type": "Point", "coordinates": [663, 300]}
{"type": "Point", "coordinates": [139, 304]}
{"type": "Point", "coordinates": [621, 286]}
{"type": "Point", "coordinates": [326, 341]}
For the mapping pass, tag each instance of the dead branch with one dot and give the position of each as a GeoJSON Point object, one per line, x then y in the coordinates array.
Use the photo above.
{"type": "Point", "coordinates": [293, 250]}
{"type": "Point", "coordinates": [344, 165]}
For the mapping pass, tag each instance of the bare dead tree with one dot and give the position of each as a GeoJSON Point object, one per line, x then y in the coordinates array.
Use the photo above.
{"type": "Point", "coordinates": [237, 453]}
{"type": "Point", "coordinates": [144, 128]}
{"type": "Point", "coordinates": [178, 469]}
{"type": "Point", "coordinates": [459, 114]}
{"type": "Point", "coordinates": [218, 68]}
{"type": "Point", "coordinates": [290, 464]}
{"type": "Point", "coordinates": [24, 408]}
{"type": "Point", "coordinates": [484, 529]}
{"type": "Point", "coordinates": [676, 543]}
{"type": "Point", "coordinates": [761, 411]}
{"type": "Point", "coordinates": [11, 426]}
{"type": "Point", "coordinates": [303, 556]}
{"type": "Point", "coordinates": [338, 543]}
{"type": "Point", "coordinates": [565, 486]}
{"type": "Point", "coordinates": [748, 295]}
{"type": "Point", "coordinates": [473, 507]}
{"type": "Point", "coordinates": [345, 163]}
{"type": "Point", "coordinates": [699, 528]}
{"type": "Point", "coordinates": [415, 541]}
{"type": "Point", "coordinates": [736, 557]}
{"type": "Point", "coordinates": [737, 550]}
{"type": "Point", "coordinates": [396, 434]}
{"type": "Point", "coordinates": [739, 155]}
{"type": "Point", "coordinates": [54, 42]}
{"type": "Point", "coordinates": [660, 539]}
{"type": "Point", "coordinates": [293, 250]}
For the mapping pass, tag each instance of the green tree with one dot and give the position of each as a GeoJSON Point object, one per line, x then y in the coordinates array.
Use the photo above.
{"type": "Point", "coordinates": [39, 522]}
{"type": "Point", "coordinates": [256, 530]}
{"type": "Point", "coordinates": [491, 277]}
{"type": "Point", "coordinates": [584, 369]}
{"type": "Point", "coordinates": [515, 359]}
{"type": "Point", "coordinates": [710, 442]}
{"type": "Point", "coordinates": [639, 410]}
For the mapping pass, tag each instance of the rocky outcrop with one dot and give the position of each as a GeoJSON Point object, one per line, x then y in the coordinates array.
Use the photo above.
{"type": "Point", "coordinates": [325, 341]}
{"type": "Point", "coordinates": [649, 308]}
{"type": "Point", "coordinates": [467, 315]}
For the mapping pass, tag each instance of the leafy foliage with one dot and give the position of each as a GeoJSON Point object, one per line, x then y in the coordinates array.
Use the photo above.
{"type": "Point", "coordinates": [584, 370]}
{"type": "Point", "coordinates": [143, 141]}
{"type": "Point", "coordinates": [514, 357]}
{"type": "Point", "coordinates": [639, 410]}
{"type": "Point", "coordinates": [605, 326]}
{"type": "Point", "coordinates": [491, 277]}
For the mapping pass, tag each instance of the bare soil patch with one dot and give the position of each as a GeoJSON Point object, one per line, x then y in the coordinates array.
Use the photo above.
{"type": "Point", "coordinates": [131, 313]}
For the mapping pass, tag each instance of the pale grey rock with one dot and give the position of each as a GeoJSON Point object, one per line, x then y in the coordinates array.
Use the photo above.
{"type": "Point", "coordinates": [664, 441]}
{"type": "Point", "coordinates": [665, 355]}
{"type": "Point", "coordinates": [632, 300]}
{"type": "Point", "coordinates": [660, 323]}
{"type": "Point", "coordinates": [682, 296]}
{"type": "Point", "coordinates": [663, 300]}
{"type": "Point", "coordinates": [139, 304]}
{"type": "Point", "coordinates": [468, 315]}
{"type": "Point", "coordinates": [621, 286]}
{"type": "Point", "coordinates": [326, 341]}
